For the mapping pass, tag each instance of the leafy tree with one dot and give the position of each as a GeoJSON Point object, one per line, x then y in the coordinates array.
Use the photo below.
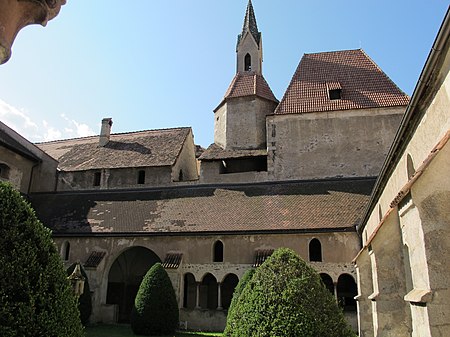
{"type": "Point", "coordinates": [286, 297]}
{"type": "Point", "coordinates": [85, 300]}
{"type": "Point", "coordinates": [237, 293]}
{"type": "Point", "coordinates": [155, 310]}
{"type": "Point", "coordinates": [35, 296]}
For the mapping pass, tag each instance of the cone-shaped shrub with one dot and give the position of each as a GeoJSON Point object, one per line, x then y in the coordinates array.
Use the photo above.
{"type": "Point", "coordinates": [35, 296]}
{"type": "Point", "coordinates": [85, 300]}
{"type": "Point", "coordinates": [155, 309]}
{"type": "Point", "coordinates": [236, 294]}
{"type": "Point", "coordinates": [286, 297]}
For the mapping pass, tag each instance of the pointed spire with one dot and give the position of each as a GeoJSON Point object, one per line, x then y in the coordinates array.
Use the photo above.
{"type": "Point", "coordinates": [250, 24]}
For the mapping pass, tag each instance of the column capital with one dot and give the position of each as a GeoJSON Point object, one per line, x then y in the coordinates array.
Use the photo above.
{"type": "Point", "coordinates": [17, 14]}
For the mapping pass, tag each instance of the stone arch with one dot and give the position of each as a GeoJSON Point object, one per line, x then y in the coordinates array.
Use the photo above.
{"type": "Point", "coordinates": [65, 251]}
{"type": "Point", "coordinates": [189, 291]}
{"type": "Point", "coordinates": [125, 276]}
{"type": "Point", "coordinates": [346, 292]}
{"type": "Point", "coordinates": [315, 250]}
{"type": "Point", "coordinates": [328, 282]}
{"type": "Point", "coordinates": [229, 283]}
{"type": "Point", "coordinates": [209, 292]}
{"type": "Point", "coordinates": [218, 251]}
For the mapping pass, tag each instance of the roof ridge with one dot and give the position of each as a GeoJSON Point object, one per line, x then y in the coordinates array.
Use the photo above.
{"type": "Point", "coordinates": [335, 51]}
{"type": "Point", "coordinates": [114, 134]}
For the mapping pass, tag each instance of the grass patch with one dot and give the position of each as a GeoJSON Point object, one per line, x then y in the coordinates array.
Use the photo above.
{"type": "Point", "coordinates": [125, 331]}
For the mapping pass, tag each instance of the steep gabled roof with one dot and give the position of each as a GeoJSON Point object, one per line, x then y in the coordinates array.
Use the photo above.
{"type": "Point", "coordinates": [133, 149]}
{"type": "Point", "coordinates": [249, 84]}
{"type": "Point", "coordinates": [309, 206]}
{"type": "Point", "coordinates": [362, 83]}
{"type": "Point", "coordinates": [250, 25]}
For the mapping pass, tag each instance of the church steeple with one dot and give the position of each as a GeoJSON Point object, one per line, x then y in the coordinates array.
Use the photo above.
{"type": "Point", "coordinates": [249, 44]}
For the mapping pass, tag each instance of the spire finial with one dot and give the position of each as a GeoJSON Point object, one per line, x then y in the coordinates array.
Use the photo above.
{"type": "Point", "coordinates": [250, 23]}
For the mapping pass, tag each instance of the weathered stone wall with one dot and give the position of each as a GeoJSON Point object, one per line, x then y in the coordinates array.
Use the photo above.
{"type": "Point", "coordinates": [414, 234]}
{"type": "Point", "coordinates": [239, 254]}
{"type": "Point", "coordinates": [349, 143]}
{"type": "Point", "coordinates": [114, 178]}
{"type": "Point", "coordinates": [248, 45]}
{"type": "Point", "coordinates": [186, 162]}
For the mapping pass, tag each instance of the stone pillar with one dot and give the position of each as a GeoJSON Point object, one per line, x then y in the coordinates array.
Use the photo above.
{"type": "Point", "coordinates": [335, 292]}
{"type": "Point", "coordinates": [16, 14]}
{"type": "Point", "coordinates": [197, 298]}
{"type": "Point", "coordinates": [219, 296]}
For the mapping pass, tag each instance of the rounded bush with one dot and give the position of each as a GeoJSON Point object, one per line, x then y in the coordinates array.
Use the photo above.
{"type": "Point", "coordinates": [85, 300]}
{"type": "Point", "coordinates": [155, 310]}
{"type": "Point", "coordinates": [286, 297]}
{"type": "Point", "coordinates": [35, 296]}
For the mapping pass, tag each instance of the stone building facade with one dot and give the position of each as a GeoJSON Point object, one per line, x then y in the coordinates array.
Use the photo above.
{"type": "Point", "coordinates": [294, 173]}
{"type": "Point", "coordinates": [403, 272]}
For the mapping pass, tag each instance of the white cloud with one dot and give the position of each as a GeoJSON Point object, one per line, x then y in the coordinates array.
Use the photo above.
{"type": "Point", "coordinates": [36, 131]}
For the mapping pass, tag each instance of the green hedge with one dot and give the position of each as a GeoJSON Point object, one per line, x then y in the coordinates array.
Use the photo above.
{"type": "Point", "coordinates": [286, 297]}
{"type": "Point", "coordinates": [35, 296]}
{"type": "Point", "coordinates": [155, 310]}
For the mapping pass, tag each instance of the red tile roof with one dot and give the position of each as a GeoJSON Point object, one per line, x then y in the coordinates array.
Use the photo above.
{"type": "Point", "coordinates": [133, 149]}
{"type": "Point", "coordinates": [363, 84]}
{"type": "Point", "coordinates": [249, 84]}
{"type": "Point", "coordinates": [299, 206]}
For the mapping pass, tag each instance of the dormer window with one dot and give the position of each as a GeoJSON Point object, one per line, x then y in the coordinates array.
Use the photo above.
{"type": "Point", "coordinates": [335, 94]}
{"type": "Point", "coordinates": [248, 62]}
{"type": "Point", "coordinates": [334, 90]}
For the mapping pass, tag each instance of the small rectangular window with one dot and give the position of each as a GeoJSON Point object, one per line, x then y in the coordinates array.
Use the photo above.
{"type": "Point", "coordinates": [141, 177]}
{"type": "Point", "coordinates": [97, 178]}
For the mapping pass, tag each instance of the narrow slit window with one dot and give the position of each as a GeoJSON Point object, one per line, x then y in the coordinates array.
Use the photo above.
{"type": "Point", "coordinates": [141, 177]}
{"type": "Point", "coordinates": [97, 178]}
{"type": "Point", "coordinates": [218, 251]}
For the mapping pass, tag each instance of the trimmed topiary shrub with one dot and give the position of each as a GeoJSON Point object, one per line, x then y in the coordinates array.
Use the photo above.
{"type": "Point", "coordinates": [35, 296]}
{"type": "Point", "coordinates": [155, 310]}
{"type": "Point", "coordinates": [236, 294]}
{"type": "Point", "coordinates": [286, 297]}
{"type": "Point", "coordinates": [85, 300]}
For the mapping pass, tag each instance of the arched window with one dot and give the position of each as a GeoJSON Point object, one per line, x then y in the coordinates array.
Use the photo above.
{"type": "Point", "coordinates": [141, 177]}
{"type": "Point", "coordinates": [315, 251]}
{"type": "Point", "coordinates": [346, 292]}
{"type": "Point", "coordinates": [229, 283]}
{"type": "Point", "coordinates": [4, 171]}
{"type": "Point", "coordinates": [190, 291]}
{"type": "Point", "coordinates": [65, 251]}
{"type": "Point", "coordinates": [410, 166]}
{"type": "Point", "coordinates": [328, 282]}
{"type": "Point", "coordinates": [248, 62]}
{"type": "Point", "coordinates": [218, 251]}
{"type": "Point", "coordinates": [209, 292]}
{"type": "Point", "coordinates": [180, 175]}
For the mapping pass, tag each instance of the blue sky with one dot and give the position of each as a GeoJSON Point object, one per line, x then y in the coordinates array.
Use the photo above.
{"type": "Point", "coordinates": [160, 64]}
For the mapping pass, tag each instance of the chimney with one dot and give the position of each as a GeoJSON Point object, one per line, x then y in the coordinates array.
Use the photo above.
{"type": "Point", "coordinates": [105, 131]}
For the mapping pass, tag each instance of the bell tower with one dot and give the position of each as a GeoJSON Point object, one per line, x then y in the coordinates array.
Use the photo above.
{"type": "Point", "coordinates": [249, 44]}
{"type": "Point", "coordinates": [240, 119]}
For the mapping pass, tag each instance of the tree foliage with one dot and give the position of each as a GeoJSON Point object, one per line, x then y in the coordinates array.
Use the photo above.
{"type": "Point", "coordinates": [286, 297]}
{"type": "Point", "coordinates": [85, 300]}
{"type": "Point", "coordinates": [155, 310]}
{"type": "Point", "coordinates": [35, 296]}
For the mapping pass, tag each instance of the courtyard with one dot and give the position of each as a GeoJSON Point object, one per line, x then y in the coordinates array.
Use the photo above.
{"type": "Point", "coordinates": [124, 330]}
